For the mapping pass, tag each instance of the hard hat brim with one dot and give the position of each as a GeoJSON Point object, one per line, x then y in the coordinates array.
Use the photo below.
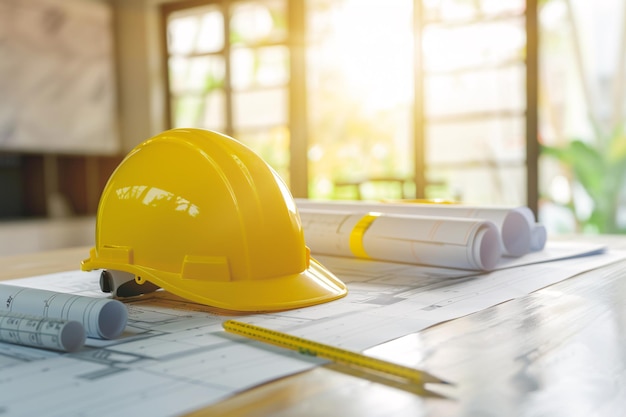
{"type": "Point", "coordinates": [315, 285]}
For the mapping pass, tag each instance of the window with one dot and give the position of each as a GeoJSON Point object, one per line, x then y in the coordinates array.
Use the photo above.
{"type": "Point", "coordinates": [475, 101]}
{"type": "Point", "coordinates": [364, 98]}
{"type": "Point", "coordinates": [228, 70]}
{"type": "Point", "coordinates": [583, 83]}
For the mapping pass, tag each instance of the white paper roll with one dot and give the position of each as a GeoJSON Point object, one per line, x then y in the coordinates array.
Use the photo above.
{"type": "Point", "coordinates": [102, 318]}
{"type": "Point", "coordinates": [514, 223]}
{"type": "Point", "coordinates": [449, 242]}
{"type": "Point", "coordinates": [538, 237]}
{"type": "Point", "coordinates": [41, 332]}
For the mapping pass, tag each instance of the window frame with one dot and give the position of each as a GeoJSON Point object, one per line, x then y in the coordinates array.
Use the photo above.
{"type": "Point", "coordinates": [297, 106]}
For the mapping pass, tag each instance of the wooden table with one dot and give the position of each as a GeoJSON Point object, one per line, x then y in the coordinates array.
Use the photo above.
{"type": "Point", "coordinates": [560, 351]}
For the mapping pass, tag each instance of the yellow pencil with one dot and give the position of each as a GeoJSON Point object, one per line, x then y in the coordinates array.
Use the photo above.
{"type": "Point", "coordinates": [311, 348]}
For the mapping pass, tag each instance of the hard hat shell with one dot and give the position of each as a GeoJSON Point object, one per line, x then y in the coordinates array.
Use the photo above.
{"type": "Point", "coordinates": [204, 217]}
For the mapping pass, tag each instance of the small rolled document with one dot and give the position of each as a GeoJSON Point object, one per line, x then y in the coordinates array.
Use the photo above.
{"type": "Point", "coordinates": [448, 242]}
{"type": "Point", "coordinates": [102, 318]}
{"type": "Point", "coordinates": [41, 332]}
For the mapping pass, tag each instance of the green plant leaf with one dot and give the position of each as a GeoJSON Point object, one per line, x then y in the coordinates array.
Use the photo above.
{"type": "Point", "coordinates": [616, 152]}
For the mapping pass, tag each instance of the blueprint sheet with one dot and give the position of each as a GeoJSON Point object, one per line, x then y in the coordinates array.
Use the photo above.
{"type": "Point", "coordinates": [174, 356]}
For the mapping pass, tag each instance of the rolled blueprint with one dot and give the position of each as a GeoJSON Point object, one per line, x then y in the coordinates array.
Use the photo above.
{"type": "Point", "coordinates": [41, 332]}
{"type": "Point", "coordinates": [437, 241]}
{"type": "Point", "coordinates": [515, 224]}
{"type": "Point", "coordinates": [102, 318]}
{"type": "Point", "coordinates": [538, 237]}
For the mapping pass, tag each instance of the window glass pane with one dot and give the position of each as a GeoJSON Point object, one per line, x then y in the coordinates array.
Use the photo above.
{"type": "Point", "coordinates": [211, 34]}
{"type": "Point", "coordinates": [213, 116]}
{"type": "Point", "coordinates": [187, 111]}
{"type": "Point", "coordinates": [260, 108]}
{"type": "Point", "coordinates": [200, 111]}
{"type": "Point", "coordinates": [582, 85]}
{"type": "Point", "coordinates": [359, 92]}
{"type": "Point", "coordinates": [481, 140]}
{"type": "Point", "coordinates": [505, 185]}
{"type": "Point", "coordinates": [198, 74]}
{"type": "Point", "coordinates": [181, 33]}
{"type": "Point", "coordinates": [466, 10]}
{"type": "Point", "coordinates": [272, 145]}
{"type": "Point", "coordinates": [200, 29]}
{"type": "Point", "coordinates": [449, 48]}
{"type": "Point", "coordinates": [494, 7]}
{"type": "Point", "coordinates": [451, 9]}
{"type": "Point", "coordinates": [255, 22]}
{"type": "Point", "coordinates": [268, 66]}
{"type": "Point", "coordinates": [488, 90]}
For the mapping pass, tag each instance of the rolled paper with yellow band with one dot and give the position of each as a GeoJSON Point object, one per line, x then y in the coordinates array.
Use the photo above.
{"type": "Point", "coordinates": [515, 224]}
{"type": "Point", "coordinates": [357, 234]}
{"type": "Point", "coordinates": [448, 242]}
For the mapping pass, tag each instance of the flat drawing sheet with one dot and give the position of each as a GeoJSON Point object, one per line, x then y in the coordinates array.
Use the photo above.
{"type": "Point", "coordinates": [174, 356]}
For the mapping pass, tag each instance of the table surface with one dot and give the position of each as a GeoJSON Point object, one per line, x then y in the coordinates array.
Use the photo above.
{"type": "Point", "coordinates": [560, 351]}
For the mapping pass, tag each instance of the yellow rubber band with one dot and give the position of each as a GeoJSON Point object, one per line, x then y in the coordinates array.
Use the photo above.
{"type": "Point", "coordinates": [356, 235]}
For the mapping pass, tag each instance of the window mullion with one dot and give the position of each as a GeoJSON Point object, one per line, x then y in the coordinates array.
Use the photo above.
{"type": "Point", "coordinates": [228, 89]}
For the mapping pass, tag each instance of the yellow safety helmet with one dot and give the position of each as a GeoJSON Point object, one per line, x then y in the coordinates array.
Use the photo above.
{"type": "Point", "coordinates": [202, 216]}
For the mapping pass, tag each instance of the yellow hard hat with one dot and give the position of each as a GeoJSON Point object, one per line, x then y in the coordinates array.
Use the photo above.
{"type": "Point", "coordinates": [202, 216]}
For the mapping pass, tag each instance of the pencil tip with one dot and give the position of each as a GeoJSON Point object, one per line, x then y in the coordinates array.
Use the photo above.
{"type": "Point", "coordinates": [435, 380]}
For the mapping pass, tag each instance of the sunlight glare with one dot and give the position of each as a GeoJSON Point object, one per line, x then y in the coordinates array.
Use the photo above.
{"type": "Point", "coordinates": [380, 151]}
{"type": "Point", "coordinates": [324, 186]}
{"type": "Point", "coordinates": [182, 32]}
{"type": "Point", "coordinates": [560, 190]}
{"type": "Point", "coordinates": [372, 45]}
{"type": "Point", "coordinates": [316, 152]}
{"type": "Point", "coordinates": [211, 35]}
{"type": "Point", "coordinates": [252, 21]}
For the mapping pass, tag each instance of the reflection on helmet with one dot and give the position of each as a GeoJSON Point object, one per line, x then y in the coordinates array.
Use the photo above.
{"type": "Point", "coordinates": [204, 217]}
